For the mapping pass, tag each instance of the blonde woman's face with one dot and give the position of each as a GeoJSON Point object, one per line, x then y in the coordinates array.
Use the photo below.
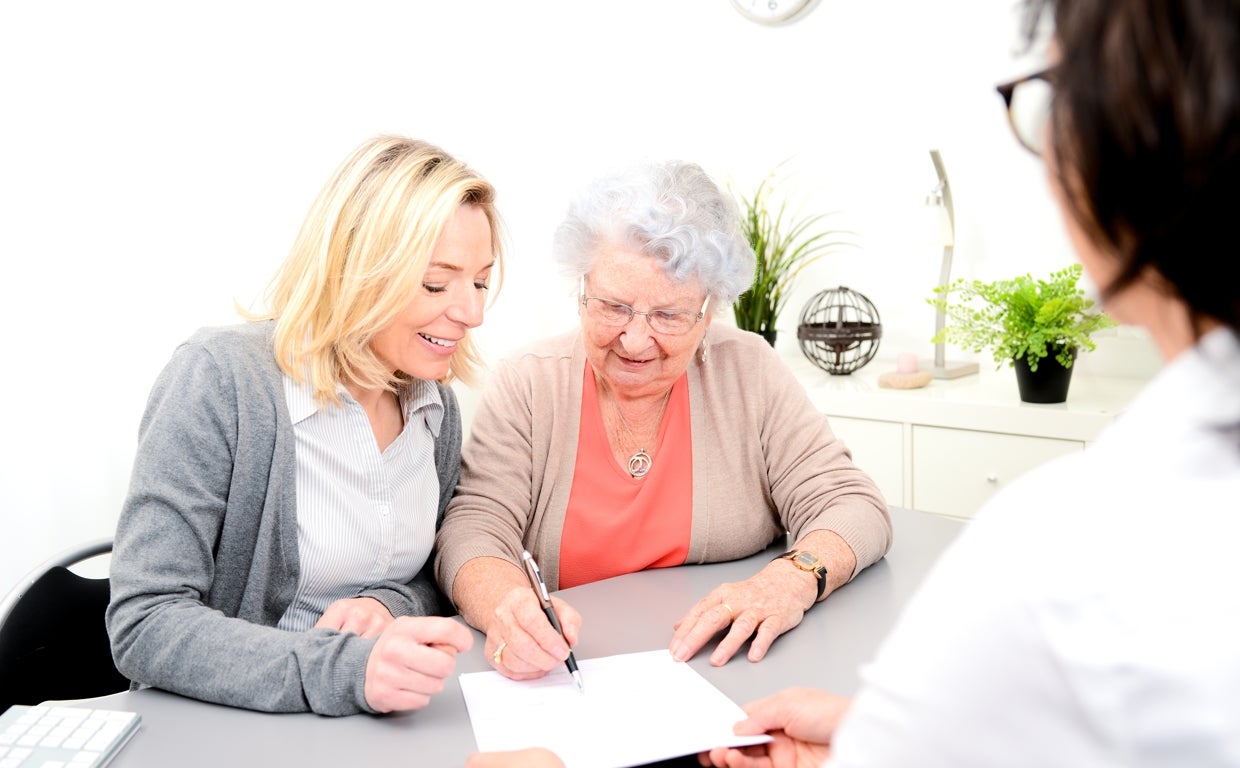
{"type": "Point", "coordinates": [422, 338]}
{"type": "Point", "coordinates": [632, 359]}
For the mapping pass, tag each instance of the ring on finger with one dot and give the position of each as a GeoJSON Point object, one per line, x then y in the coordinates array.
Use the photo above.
{"type": "Point", "coordinates": [731, 613]}
{"type": "Point", "coordinates": [497, 657]}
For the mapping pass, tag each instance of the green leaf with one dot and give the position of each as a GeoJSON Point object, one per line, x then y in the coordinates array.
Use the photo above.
{"type": "Point", "coordinates": [785, 243]}
{"type": "Point", "coordinates": [1020, 317]}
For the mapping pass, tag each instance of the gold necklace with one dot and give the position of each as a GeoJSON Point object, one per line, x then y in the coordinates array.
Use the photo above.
{"type": "Point", "coordinates": [640, 462]}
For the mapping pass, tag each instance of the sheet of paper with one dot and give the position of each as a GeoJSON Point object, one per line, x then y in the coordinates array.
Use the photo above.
{"type": "Point", "coordinates": [637, 708]}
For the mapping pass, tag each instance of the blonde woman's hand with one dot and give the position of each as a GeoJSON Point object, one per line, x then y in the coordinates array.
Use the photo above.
{"type": "Point", "coordinates": [411, 659]}
{"type": "Point", "coordinates": [364, 616]}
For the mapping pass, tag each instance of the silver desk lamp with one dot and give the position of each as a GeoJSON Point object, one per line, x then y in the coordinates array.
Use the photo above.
{"type": "Point", "coordinates": [940, 199]}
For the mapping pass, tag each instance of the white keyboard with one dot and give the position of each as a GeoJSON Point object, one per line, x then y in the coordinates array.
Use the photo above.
{"type": "Point", "coordinates": [47, 736]}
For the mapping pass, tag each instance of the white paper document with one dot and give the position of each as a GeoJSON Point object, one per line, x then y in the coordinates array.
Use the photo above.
{"type": "Point", "coordinates": [637, 708]}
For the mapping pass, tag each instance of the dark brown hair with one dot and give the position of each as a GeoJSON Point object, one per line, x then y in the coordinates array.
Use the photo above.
{"type": "Point", "coordinates": [1145, 131]}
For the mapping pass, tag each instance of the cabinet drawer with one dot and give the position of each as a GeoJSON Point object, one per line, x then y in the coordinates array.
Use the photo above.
{"type": "Point", "coordinates": [878, 448]}
{"type": "Point", "coordinates": [955, 471]}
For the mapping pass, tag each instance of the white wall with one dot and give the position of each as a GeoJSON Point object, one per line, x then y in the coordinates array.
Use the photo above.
{"type": "Point", "coordinates": [156, 160]}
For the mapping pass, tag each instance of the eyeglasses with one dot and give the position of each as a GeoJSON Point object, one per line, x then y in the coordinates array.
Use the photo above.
{"type": "Point", "coordinates": [1028, 102]}
{"type": "Point", "coordinates": [669, 322]}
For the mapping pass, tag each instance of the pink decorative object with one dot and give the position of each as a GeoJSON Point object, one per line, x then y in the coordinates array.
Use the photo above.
{"type": "Point", "coordinates": [906, 362]}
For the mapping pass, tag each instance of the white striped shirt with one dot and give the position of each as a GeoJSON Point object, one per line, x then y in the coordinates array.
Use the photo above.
{"type": "Point", "coordinates": [362, 516]}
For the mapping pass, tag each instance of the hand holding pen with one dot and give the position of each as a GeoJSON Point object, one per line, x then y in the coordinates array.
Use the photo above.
{"type": "Point", "coordinates": [540, 589]}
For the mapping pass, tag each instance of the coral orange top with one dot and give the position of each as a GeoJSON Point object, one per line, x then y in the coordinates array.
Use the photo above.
{"type": "Point", "coordinates": [619, 524]}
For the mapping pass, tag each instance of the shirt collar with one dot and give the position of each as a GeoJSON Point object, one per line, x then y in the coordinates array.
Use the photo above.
{"type": "Point", "coordinates": [417, 395]}
{"type": "Point", "coordinates": [300, 398]}
{"type": "Point", "coordinates": [422, 395]}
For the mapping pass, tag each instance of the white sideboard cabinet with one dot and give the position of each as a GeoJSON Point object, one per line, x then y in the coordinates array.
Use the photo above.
{"type": "Point", "coordinates": [949, 446]}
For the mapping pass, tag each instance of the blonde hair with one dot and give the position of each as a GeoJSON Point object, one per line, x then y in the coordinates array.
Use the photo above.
{"type": "Point", "coordinates": [361, 254]}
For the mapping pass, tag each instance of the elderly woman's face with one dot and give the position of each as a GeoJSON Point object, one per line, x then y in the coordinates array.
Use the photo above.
{"type": "Point", "coordinates": [634, 359]}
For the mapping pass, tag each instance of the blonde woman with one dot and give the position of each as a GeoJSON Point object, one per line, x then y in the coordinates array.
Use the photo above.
{"type": "Point", "coordinates": [291, 472]}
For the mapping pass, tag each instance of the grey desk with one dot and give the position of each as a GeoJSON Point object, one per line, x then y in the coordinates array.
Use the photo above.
{"type": "Point", "coordinates": [621, 615]}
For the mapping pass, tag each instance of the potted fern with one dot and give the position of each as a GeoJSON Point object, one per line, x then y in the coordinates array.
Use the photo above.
{"type": "Point", "coordinates": [784, 243]}
{"type": "Point", "coordinates": [1036, 326]}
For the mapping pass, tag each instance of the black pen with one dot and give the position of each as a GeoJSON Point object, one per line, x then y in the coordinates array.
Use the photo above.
{"type": "Point", "coordinates": [540, 589]}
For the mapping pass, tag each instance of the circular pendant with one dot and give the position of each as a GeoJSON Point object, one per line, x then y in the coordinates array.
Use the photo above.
{"type": "Point", "coordinates": [639, 463]}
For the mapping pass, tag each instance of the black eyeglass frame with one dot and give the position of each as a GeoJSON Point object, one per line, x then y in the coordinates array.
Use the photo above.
{"type": "Point", "coordinates": [1008, 90]}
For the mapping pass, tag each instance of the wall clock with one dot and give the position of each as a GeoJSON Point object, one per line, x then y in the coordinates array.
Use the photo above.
{"type": "Point", "coordinates": [774, 12]}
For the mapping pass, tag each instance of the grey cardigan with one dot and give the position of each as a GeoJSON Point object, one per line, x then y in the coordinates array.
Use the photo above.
{"type": "Point", "coordinates": [205, 559]}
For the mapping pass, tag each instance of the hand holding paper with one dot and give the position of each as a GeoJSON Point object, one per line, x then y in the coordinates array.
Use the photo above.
{"type": "Point", "coordinates": [638, 708]}
{"type": "Point", "coordinates": [803, 721]}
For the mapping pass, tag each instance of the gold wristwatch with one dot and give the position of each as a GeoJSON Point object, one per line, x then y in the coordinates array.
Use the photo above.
{"type": "Point", "coordinates": [808, 561]}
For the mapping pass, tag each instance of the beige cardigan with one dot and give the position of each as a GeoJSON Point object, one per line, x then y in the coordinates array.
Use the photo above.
{"type": "Point", "coordinates": [764, 460]}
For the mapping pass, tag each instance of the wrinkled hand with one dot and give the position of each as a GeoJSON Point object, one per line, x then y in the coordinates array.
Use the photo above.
{"type": "Point", "coordinates": [764, 606]}
{"type": "Point", "coordinates": [530, 647]}
{"type": "Point", "coordinates": [536, 757]}
{"type": "Point", "coordinates": [802, 722]}
{"type": "Point", "coordinates": [411, 659]}
{"type": "Point", "coordinates": [365, 616]}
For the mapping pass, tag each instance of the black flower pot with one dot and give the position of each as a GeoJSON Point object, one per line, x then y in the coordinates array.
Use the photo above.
{"type": "Point", "coordinates": [769, 336]}
{"type": "Point", "coordinates": [1048, 384]}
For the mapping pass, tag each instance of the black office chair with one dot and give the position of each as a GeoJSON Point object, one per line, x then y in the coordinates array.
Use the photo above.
{"type": "Point", "coordinates": [53, 641]}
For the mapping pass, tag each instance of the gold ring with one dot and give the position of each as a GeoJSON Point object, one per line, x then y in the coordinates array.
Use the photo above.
{"type": "Point", "coordinates": [731, 613]}
{"type": "Point", "coordinates": [499, 652]}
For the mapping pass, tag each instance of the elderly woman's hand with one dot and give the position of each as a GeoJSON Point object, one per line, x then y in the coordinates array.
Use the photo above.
{"type": "Point", "coordinates": [521, 643]}
{"type": "Point", "coordinates": [763, 607]}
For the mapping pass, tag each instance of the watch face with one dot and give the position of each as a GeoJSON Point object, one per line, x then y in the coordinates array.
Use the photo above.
{"type": "Point", "coordinates": [807, 561]}
{"type": "Point", "coordinates": [773, 11]}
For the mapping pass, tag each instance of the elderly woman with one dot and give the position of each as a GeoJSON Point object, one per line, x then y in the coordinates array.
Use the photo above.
{"type": "Point", "coordinates": [651, 438]}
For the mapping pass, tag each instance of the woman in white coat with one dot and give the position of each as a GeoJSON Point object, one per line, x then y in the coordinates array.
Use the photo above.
{"type": "Point", "coordinates": [1089, 615]}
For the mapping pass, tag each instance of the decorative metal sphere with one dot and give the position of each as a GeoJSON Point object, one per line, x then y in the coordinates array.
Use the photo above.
{"type": "Point", "coordinates": [839, 330]}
